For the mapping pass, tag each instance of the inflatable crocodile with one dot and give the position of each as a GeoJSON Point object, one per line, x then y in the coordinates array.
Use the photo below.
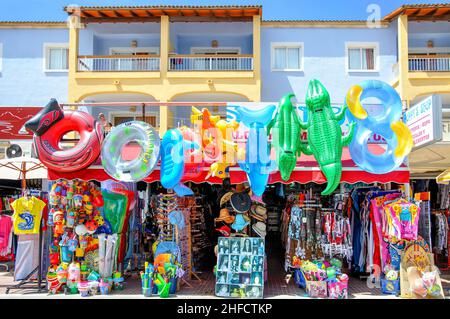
{"type": "Point", "coordinates": [286, 137]}
{"type": "Point", "coordinates": [325, 140]}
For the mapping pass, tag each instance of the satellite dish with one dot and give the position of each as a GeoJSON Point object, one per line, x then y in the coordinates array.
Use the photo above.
{"type": "Point", "coordinates": [14, 151]}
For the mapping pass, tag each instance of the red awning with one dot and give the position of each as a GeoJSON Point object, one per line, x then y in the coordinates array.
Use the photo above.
{"type": "Point", "coordinates": [12, 119]}
{"type": "Point", "coordinates": [306, 171]}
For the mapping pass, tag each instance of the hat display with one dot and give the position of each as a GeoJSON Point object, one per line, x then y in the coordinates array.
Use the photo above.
{"type": "Point", "coordinates": [239, 223]}
{"type": "Point", "coordinates": [258, 212]}
{"type": "Point", "coordinates": [225, 198]}
{"type": "Point", "coordinates": [225, 216]}
{"type": "Point", "coordinates": [224, 230]}
{"type": "Point", "coordinates": [241, 202]}
{"type": "Point", "coordinates": [260, 229]}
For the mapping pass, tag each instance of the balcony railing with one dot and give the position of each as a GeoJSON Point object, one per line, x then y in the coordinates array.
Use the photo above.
{"type": "Point", "coordinates": [440, 63]}
{"type": "Point", "coordinates": [105, 63]}
{"type": "Point", "coordinates": [211, 63]}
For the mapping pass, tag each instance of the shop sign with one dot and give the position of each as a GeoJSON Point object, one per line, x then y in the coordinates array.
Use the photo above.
{"type": "Point", "coordinates": [425, 121]}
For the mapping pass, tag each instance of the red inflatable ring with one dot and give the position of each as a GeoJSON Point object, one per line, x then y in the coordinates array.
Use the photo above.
{"type": "Point", "coordinates": [83, 154]}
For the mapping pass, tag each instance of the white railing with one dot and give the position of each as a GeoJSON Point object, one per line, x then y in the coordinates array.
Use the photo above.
{"type": "Point", "coordinates": [430, 63]}
{"type": "Point", "coordinates": [211, 63]}
{"type": "Point", "coordinates": [118, 63]}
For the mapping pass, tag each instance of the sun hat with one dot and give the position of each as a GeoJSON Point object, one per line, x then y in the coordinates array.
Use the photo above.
{"type": "Point", "coordinates": [239, 223]}
{"type": "Point", "coordinates": [225, 216]}
{"type": "Point", "coordinates": [241, 202]}
{"type": "Point", "coordinates": [260, 229]}
{"type": "Point", "coordinates": [224, 230]}
{"type": "Point", "coordinates": [258, 212]}
{"type": "Point", "coordinates": [176, 218]}
{"type": "Point", "coordinates": [225, 198]}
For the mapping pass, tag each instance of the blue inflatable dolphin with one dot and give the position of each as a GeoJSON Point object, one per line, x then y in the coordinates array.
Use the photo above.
{"type": "Point", "coordinates": [257, 162]}
{"type": "Point", "coordinates": [172, 161]}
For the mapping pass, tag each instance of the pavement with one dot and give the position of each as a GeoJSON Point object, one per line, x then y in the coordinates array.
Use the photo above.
{"type": "Point", "coordinates": [275, 288]}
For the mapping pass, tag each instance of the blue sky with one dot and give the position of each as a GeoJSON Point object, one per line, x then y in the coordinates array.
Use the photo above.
{"type": "Point", "coordinates": [51, 10]}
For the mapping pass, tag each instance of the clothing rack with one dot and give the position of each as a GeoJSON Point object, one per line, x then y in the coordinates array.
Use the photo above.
{"type": "Point", "coordinates": [27, 282]}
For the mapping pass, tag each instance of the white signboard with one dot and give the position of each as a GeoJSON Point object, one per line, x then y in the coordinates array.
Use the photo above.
{"type": "Point", "coordinates": [425, 121]}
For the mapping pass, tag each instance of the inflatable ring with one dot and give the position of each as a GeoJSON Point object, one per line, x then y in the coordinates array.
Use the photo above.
{"type": "Point", "coordinates": [83, 154]}
{"type": "Point", "coordinates": [387, 124]}
{"type": "Point", "coordinates": [138, 168]}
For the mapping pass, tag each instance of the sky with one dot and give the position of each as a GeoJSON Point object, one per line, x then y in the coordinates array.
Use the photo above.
{"type": "Point", "coordinates": [52, 10]}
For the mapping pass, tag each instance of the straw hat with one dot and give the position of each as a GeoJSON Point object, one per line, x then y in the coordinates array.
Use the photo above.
{"type": "Point", "coordinates": [225, 198]}
{"type": "Point", "coordinates": [241, 202]}
{"type": "Point", "coordinates": [260, 229]}
{"type": "Point", "coordinates": [225, 216]}
{"type": "Point", "coordinates": [259, 212]}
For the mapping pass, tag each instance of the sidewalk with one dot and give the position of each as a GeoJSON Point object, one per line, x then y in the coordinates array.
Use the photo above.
{"type": "Point", "coordinates": [273, 289]}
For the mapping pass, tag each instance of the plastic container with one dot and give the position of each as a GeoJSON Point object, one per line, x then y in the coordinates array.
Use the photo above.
{"type": "Point", "coordinates": [390, 287]}
{"type": "Point", "coordinates": [104, 290]}
{"type": "Point", "coordinates": [93, 287]}
{"type": "Point", "coordinates": [173, 287]}
{"type": "Point", "coordinates": [83, 288]}
{"type": "Point", "coordinates": [147, 292]}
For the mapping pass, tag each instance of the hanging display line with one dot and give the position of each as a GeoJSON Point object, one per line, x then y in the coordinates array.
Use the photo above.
{"type": "Point", "coordinates": [328, 147]}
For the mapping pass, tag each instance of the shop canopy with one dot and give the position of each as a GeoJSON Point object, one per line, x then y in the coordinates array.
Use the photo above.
{"type": "Point", "coordinates": [306, 171]}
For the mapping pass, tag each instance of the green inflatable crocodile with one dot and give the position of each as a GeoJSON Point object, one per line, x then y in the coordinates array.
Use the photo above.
{"type": "Point", "coordinates": [325, 140]}
{"type": "Point", "coordinates": [286, 136]}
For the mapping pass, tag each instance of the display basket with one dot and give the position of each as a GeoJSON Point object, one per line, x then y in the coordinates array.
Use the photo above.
{"type": "Point", "coordinates": [316, 289]}
{"type": "Point", "coordinates": [338, 290]}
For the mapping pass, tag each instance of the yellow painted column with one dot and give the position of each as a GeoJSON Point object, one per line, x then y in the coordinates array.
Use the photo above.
{"type": "Point", "coordinates": [74, 27]}
{"type": "Point", "coordinates": [257, 55]}
{"type": "Point", "coordinates": [403, 64]}
{"type": "Point", "coordinates": [164, 65]}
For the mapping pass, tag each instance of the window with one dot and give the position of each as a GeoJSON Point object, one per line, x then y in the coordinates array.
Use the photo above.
{"type": "Point", "coordinates": [362, 57]}
{"type": "Point", "coordinates": [56, 57]}
{"type": "Point", "coordinates": [1, 56]}
{"type": "Point", "coordinates": [287, 56]}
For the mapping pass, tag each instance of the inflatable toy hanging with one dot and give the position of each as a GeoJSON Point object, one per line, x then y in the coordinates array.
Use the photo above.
{"type": "Point", "coordinates": [172, 161]}
{"type": "Point", "coordinates": [139, 168]}
{"type": "Point", "coordinates": [227, 148]}
{"type": "Point", "coordinates": [389, 125]}
{"type": "Point", "coordinates": [286, 139]}
{"type": "Point", "coordinates": [204, 123]}
{"type": "Point", "coordinates": [51, 124]}
{"type": "Point", "coordinates": [325, 140]}
{"type": "Point", "coordinates": [257, 163]}
{"type": "Point", "coordinates": [193, 157]}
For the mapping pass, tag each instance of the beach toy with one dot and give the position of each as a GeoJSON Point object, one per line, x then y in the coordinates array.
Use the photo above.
{"type": "Point", "coordinates": [331, 273]}
{"type": "Point", "coordinates": [257, 163]}
{"type": "Point", "coordinates": [51, 124]}
{"type": "Point", "coordinates": [336, 263]}
{"type": "Point", "coordinates": [93, 287]}
{"type": "Point", "coordinates": [193, 157]}
{"type": "Point", "coordinates": [104, 287]}
{"type": "Point", "coordinates": [172, 161]}
{"type": "Point", "coordinates": [83, 288]}
{"type": "Point", "coordinates": [325, 140]}
{"type": "Point", "coordinates": [388, 124]}
{"type": "Point", "coordinates": [392, 275]}
{"type": "Point", "coordinates": [125, 134]}
{"type": "Point", "coordinates": [286, 141]}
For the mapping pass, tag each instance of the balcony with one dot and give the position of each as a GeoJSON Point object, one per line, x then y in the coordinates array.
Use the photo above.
{"type": "Point", "coordinates": [436, 63]}
{"type": "Point", "coordinates": [115, 63]}
{"type": "Point", "coordinates": [211, 63]}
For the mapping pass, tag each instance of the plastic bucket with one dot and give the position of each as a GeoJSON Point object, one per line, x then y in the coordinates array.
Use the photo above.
{"type": "Point", "coordinates": [147, 292]}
